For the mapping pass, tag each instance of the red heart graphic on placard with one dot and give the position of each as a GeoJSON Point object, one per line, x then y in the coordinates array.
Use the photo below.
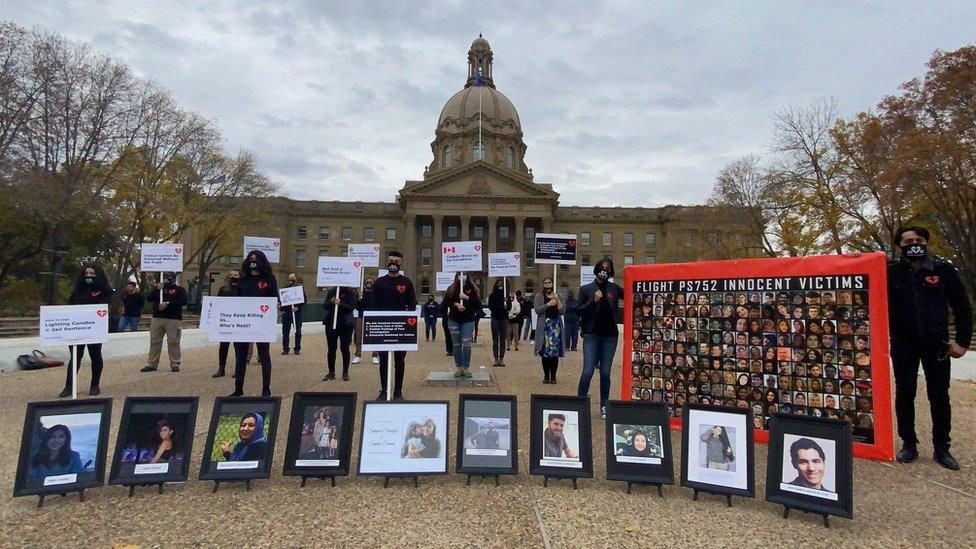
{"type": "Point", "coordinates": [401, 288]}
{"type": "Point", "coordinates": [356, 264]}
{"type": "Point", "coordinates": [264, 308]}
{"type": "Point", "coordinates": [262, 284]}
{"type": "Point", "coordinates": [932, 280]}
{"type": "Point", "coordinates": [572, 243]}
{"type": "Point", "coordinates": [518, 256]}
{"type": "Point", "coordinates": [477, 248]}
{"type": "Point", "coordinates": [101, 313]}
{"type": "Point", "coordinates": [411, 321]}
{"type": "Point", "coordinates": [178, 250]}
{"type": "Point", "coordinates": [276, 243]}
{"type": "Point", "coordinates": [376, 248]}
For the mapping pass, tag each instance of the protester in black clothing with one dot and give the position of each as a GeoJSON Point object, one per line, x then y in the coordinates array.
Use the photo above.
{"type": "Point", "coordinates": [357, 337]}
{"type": "Point", "coordinates": [499, 304]}
{"type": "Point", "coordinates": [340, 337]}
{"type": "Point", "coordinates": [167, 320]}
{"type": "Point", "coordinates": [258, 280]}
{"type": "Point", "coordinates": [598, 302]}
{"type": "Point", "coordinates": [393, 292]}
{"type": "Point", "coordinates": [921, 292]}
{"type": "Point", "coordinates": [227, 290]}
{"type": "Point", "coordinates": [292, 315]}
{"type": "Point", "coordinates": [91, 287]}
{"type": "Point", "coordinates": [132, 304]}
{"type": "Point", "coordinates": [431, 310]}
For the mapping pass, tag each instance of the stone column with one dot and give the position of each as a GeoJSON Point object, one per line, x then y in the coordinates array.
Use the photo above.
{"type": "Point", "coordinates": [435, 260]}
{"type": "Point", "coordinates": [465, 229]}
{"type": "Point", "coordinates": [492, 237]}
{"type": "Point", "coordinates": [410, 251]}
{"type": "Point", "coordinates": [520, 246]}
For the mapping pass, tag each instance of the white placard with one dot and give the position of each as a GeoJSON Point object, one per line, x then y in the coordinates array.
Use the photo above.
{"type": "Point", "coordinates": [733, 474]}
{"type": "Point", "coordinates": [232, 465]}
{"type": "Point", "coordinates": [161, 257]}
{"type": "Point", "coordinates": [338, 271]}
{"type": "Point", "coordinates": [505, 264]}
{"type": "Point", "coordinates": [206, 313]}
{"type": "Point", "coordinates": [389, 446]}
{"type": "Point", "coordinates": [369, 254]}
{"type": "Point", "coordinates": [243, 319]}
{"type": "Point", "coordinates": [150, 468]}
{"type": "Point", "coordinates": [444, 281]}
{"type": "Point", "coordinates": [73, 324]}
{"type": "Point", "coordinates": [55, 480]}
{"type": "Point", "coordinates": [270, 246]}
{"type": "Point", "coordinates": [291, 295]}
{"type": "Point", "coordinates": [587, 276]}
{"type": "Point", "coordinates": [316, 463]}
{"type": "Point", "coordinates": [461, 256]}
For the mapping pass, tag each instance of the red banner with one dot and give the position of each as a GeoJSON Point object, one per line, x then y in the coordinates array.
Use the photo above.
{"type": "Point", "coordinates": [805, 335]}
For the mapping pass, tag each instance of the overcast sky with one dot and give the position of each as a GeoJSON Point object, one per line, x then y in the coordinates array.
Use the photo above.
{"type": "Point", "coordinates": [621, 104]}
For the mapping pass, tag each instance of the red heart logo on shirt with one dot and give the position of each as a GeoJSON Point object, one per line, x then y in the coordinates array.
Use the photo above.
{"type": "Point", "coordinates": [178, 250]}
{"type": "Point", "coordinates": [101, 313]}
{"type": "Point", "coordinates": [611, 297]}
{"type": "Point", "coordinates": [264, 308]}
{"type": "Point", "coordinates": [932, 280]}
{"type": "Point", "coordinates": [171, 292]}
{"type": "Point", "coordinates": [572, 243]}
{"type": "Point", "coordinates": [96, 293]}
{"type": "Point", "coordinates": [262, 284]}
{"type": "Point", "coordinates": [411, 321]}
{"type": "Point", "coordinates": [401, 288]}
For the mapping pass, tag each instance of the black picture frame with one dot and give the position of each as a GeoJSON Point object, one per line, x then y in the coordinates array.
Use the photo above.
{"type": "Point", "coordinates": [344, 433]}
{"type": "Point", "coordinates": [727, 414]}
{"type": "Point", "coordinates": [210, 469]}
{"type": "Point", "coordinates": [28, 482]}
{"type": "Point", "coordinates": [381, 406]}
{"type": "Point", "coordinates": [818, 430]}
{"type": "Point", "coordinates": [581, 406]}
{"type": "Point", "coordinates": [624, 467]}
{"type": "Point", "coordinates": [486, 465]}
{"type": "Point", "coordinates": [157, 406]}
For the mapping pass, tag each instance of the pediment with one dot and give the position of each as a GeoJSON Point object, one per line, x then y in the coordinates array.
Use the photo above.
{"type": "Point", "coordinates": [477, 181]}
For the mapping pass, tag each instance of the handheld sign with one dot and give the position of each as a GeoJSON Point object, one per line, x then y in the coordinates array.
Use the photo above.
{"type": "Point", "coordinates": [243, 319]}
{"type": "Point", "coordinates": [390, 330]}
{"type": "Point", "coordinates": [461, 256]}
{"type": "Point", "coordinates": [587, 276]}
{"type": "Point", "coordinates": [294, 295]}
{"type": "Point", "coordinates": [74, 325]}
{"type": "Point", "coordinates": [161, 257]}
{"type": "Point", "coordinates": [270, 246]}
{"type": "Point", "coordinates": [206, 313]}
{"type": "Point", "coordinates": [338, 271]}
{"type": "Point", "coordinates": [369, 254]}
{"type": "Point", "coordinates": [504, 264]}
{"type": "Point", "coordinates": [444, 281]}
{"type": "Point", "coordinates": [555, 249]}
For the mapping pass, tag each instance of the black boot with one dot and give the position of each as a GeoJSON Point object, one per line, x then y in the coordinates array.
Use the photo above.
{"type": "Point", "coordinates": [945, 459]}
{"type": "Point", "coordinates": [908, 453]}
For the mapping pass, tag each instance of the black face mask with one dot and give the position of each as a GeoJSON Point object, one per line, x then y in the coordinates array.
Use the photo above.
{"type": "Point", "coordinates": [292, 282]}
{"type": "Point", "coordinates": [368, 287]}
{"type": "Point", "coordinates": [603, 275]}
{"type": "Point", "coordinates": [90, 280]}
{"type": "Point", "coordinates": [253, 265]}
{"type": "Point", "coordinates": [914, 252]}
{"type": "Point", "coordinates": [170, 281]}
{"type": "Point", "coordinates": [234, 279]}
{"type": "Point", "coordinates": [393, 267]}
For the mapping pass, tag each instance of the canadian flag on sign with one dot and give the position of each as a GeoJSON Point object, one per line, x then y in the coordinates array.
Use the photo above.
{"type": "Point", "coordinates": [450, 249]}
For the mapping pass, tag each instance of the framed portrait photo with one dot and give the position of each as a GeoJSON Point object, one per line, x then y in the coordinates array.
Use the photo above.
{"type": "Point", "coordinates": [404, 438]}
{"type": "Point", "coordinates": [487, 441]}
{"type": "Point", "coordinates": [63, 447]}
{"type": "Point", "coordinates": [810, 464]}
{"type": "Point", "coordinates": [638, 441]}
{"type": "Point", "coordinates": [320, 434]}
{"type": "Point", "coordinates": [241, 439]}
{"type": "Point", "coordinates": [717, 450]}
{"type": "Point", "coordinates": [561, 441]}
{"type": "Point", "coordinates": [155, 440]}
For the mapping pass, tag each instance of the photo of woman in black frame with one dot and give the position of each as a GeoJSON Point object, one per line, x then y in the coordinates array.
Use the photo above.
{"type": "Point", "coordinates": [633, 460]}
{"type": "Point", "coordinates": [154, 441]}
{"type": "Point", "coordinates": [320, 432]}
{"type": "Point", "coordinates": [241, 438]}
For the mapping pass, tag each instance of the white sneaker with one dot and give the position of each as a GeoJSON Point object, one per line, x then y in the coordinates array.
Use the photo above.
{"type": "Point", "coordinates": [356, 360]}
{"type": "Point", "coordinates": [376, 360]}
{"type": "Point", "coordinates": [603, 412]}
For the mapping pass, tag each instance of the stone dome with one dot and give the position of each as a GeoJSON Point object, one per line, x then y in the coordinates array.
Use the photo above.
{"type": "Point", "coordinates": [462, 108]}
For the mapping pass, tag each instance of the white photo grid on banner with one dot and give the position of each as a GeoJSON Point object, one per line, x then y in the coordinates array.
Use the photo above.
{"type": "Point", "coordinates": [462, 256]}
{"type": "Point", "coordinates": [241, 319]}
{"type": "Point", "coordinates": [444, 280]}
{"type": "Point", "coordinates": [708, 432]}
{"type": "Point", "coordinates": [74, 325]}
{"type": "Point", "coordinates": [271, 247]}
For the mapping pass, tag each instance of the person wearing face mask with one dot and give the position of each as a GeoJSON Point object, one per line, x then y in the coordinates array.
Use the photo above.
{"type": "Point", "coordinates": [393, 292]}
{"type": "Point", "coordinates": [571, 319]}
{"type": "Point", "coordinates": [357, 336]}
{"type": "Point", "coordinates": [132, 303]}
{"type": "Point", "coordinates": [464, 301]}
{"type": "Point", "coordinates": [292, 314]}
{"type": "Point", "coordinates": [91, 287]}
{"type": "Point", "coordinates": [514, 321]}
{"type": "Point", "coordinates": [598, 302]}
{"type": "Point", "coordinates": [227, 290]}
{"type": "Point", "coordinates": [167, 320]}
{"type": "Point", "coordinates": [549, 329]}
{"type": "Point", "coordinates": [431, 310]}
{"type": "Point", "coordinates": [921, 292]}
{"type": "Point", "coordinates": [342, 303]}
{"type": "Point", "coordinates": [257, 280]}
{"type": "Point", "coordinates": [500, 305]}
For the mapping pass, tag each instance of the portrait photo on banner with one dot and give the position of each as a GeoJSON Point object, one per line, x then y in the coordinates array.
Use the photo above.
{"type": "Point", "coordinates": [717, 450]}
{"type": "Point", "coordinates": [488, 437]}
{"type": "Point", "coordinates": [638, 441]}
{"type": "Point", "coordinates": [63, 447]}
{"type": "Point", "coordinates": [561, 441]}
{"type": "Point", "coordinates": [155, 440]}
{"type": "Point", "coordinates": [240, 441]}
{"type": "Point", "coordinates": [404, 438]}
{"type": "Point", "coordinates": [320, 434]}
{"type": "Point", "coordinates": [810, 465]}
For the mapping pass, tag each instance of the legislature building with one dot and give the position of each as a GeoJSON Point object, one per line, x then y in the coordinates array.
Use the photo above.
{"type": "Point", "coordinates": [479, 187]}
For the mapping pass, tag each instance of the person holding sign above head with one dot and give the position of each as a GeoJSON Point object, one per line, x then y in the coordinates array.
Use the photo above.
{"type": "Point", "coordinates": [393, 292]}
{"type": "Point", "coordinates": [229, 289]}
{"type": "Point", "coordinates": [91, 287]}
{"type": "Point", "coordinates": [598, 320]}
{"type": "Point", "coordinates": [167, 320]}
{"type": "Point", "coordinates": [257, 281]}
{"type": "Point", "coordinates": [549, 329]}
{"type": "Point", "coordinates": [340, 337]}
{"type": "Point", "coordinates": [500, 306]}
{"type": "Point", "coordinates": [292, 314]}
{"type": "Point", "coordinates": [464, 301]}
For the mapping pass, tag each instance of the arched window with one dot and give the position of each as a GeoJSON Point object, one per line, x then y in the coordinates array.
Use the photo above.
{"type": "Point", "coordinates": [479, 151]}
{"type": "Point", "coordinates": [510, 159]}
{"type": "Point", "coordinates": [529, 286]}
{"type": "Point", "coordinates": [447, 156]}
{"type": "Point", "coordinates": [424, 286]}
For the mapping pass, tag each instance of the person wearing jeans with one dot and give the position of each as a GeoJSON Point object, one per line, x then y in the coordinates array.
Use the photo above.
{"type": "Point", "coordinates": [292, 315]}
{"type": "Point", "coordinates": [464, 302]}
{"type": "Point", "coordinates": [340, 337]}
{"type": "Point", "coordinates": [132, 302]}
{"type": "Point", "coordinates": [499, 305]}
{"type": "Point", "coordinates": [598, 303]}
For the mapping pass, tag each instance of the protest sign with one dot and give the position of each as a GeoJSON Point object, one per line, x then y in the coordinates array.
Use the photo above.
{"type": "Point", "coordinates": [243, 319]}
{"type": "Point", "coordinates": [161, 257]}
{"type": "Point", "coordinates": [444, 280]}
{"type": "Point", "coordinates": [293, 295]}
{"type": "Point", "coordinates": [555, 249]}
{"type": "Point", "coordinates": [338, 271]}
{"type": "Point", "coordinates": [369, 254]}
{"type": "Point", "coordinates": [505, 264]}
{"type": "Point", "coordinates": [390, 330]}
{"type": "Point", "coordinates": [73, 324]}
{"type": "Point", "coordinates": [270, 246]}
{"type": "Point", "coordinates": [461, 256]}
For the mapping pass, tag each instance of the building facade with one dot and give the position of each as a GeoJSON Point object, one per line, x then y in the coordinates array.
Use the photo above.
{"type": "Point", "coordinates": [478, 187]}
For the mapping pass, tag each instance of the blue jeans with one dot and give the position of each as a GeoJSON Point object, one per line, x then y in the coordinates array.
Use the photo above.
{"type": "Point", "coordinates": [598, 352]}
{"type": "Point", "coordinates": [129, 322]}
{"type": "Point", "coordinates": [572, 335]}
{"type": "Point", "coordinates": [461, 335]}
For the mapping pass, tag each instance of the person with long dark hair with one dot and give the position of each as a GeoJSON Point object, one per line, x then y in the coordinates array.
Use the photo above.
{"type": "Point", "coordinates": [718, 449]}
{"type": "Point", "coordinates": [54, 455]}
{"type": "Point", "coordinates": [500, 305]}
{"type": "Point", "coordinates": [464, 301]}
{"type": "Point", "coordinates": [257, 280]}
{"type": "Point", "coordinates": [164, 444]}
{"type": "Point", "coordinates": [230, 288]}
{"type": "Point", "coordinates": [340, 337]}
{"type": "Point", "coordinates": [91, 287]}
{"type": "Point", "coordinates": [549, 329]}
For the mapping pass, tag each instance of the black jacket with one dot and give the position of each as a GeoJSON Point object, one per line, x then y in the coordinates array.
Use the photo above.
{"type": "Point", "coordinates": [499, 304]}
{"type": "Point", "coordinates": [92, 296]}
{"type": "Point", "coordinates": [589, 308]}
{"type": "Point", "coordinates": [258, 286]}
{"type": "Point", "coordinates": [432, 310]}
{"type": "Point", "coordinates": [392, 293]}
{"type": "Point", "coordinates": [919, 303]}
{"type": "Point", "coordinates": [175, 298]}
{"type": "Point", "coordinates": [133, 303]}
{"type": "Point", "coordinates": [472, 306]}
{"type": "Point", "coordinates": [348, 297]}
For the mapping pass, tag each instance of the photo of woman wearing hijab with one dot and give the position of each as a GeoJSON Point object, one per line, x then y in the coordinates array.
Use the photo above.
{"type": "Point", "coordinates": [633, 441]}
{"type": "Point", "coordinates": [54, 455]}
{"type": "Point", "coordinates": [252, 446]}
